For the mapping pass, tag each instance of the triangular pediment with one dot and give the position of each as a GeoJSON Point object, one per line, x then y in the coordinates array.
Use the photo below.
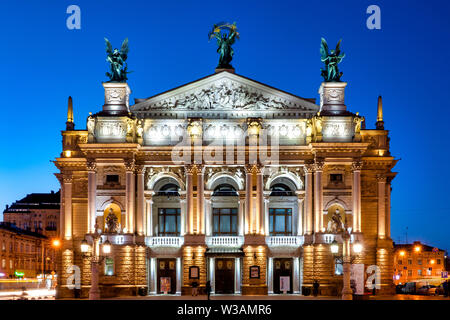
{"type": "Point", "coordinates": [225, 91]}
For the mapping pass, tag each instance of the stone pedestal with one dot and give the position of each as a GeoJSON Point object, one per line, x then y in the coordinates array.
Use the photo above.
{"type": "Point", "coordinates": [116, 99]}
{"type": "Point", "coordinates": [332, 95]}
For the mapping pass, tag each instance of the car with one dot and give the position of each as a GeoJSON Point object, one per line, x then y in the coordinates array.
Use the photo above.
{"type": "Point", "coordinates": [428, 290]}
{"type": "Point", "coordinates": [399, 288]}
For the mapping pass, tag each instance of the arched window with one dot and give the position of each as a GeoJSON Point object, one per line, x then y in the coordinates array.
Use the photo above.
{"type": "Point", "coordinates": [225, 190]}
{"type": "Point", "coordinates": [280, 189]}
{"type": "Point", "coordinates": [169, 189]}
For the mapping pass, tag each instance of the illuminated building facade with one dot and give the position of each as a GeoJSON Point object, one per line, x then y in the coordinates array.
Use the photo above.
{"type": "Point", "coordinates": [37, 212]}
{"type": "Point", "coordinates": [223, 179]}
{"type": "Point", "coordinates": [417, 261]}
{"type": "Point", "coordinates": [21, 253]}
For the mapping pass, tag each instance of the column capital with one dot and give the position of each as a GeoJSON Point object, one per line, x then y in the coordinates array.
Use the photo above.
{"type": "Point", "coordinates": [308, 168]}
{"type": "Point", "coordinates": [318, 164]}
{"type": "Point", "coordinates": [190, 169]}
{"type": "Point", "coordinates": [357, 165]}
{"type": "Point", "coordinates": [140, 169]}
{"type": "Point", "coordinates": [129, 165]}
{"type": "Point", "coordinates": [91, 165]}
{"type": "Point", "coordinates": [67, 178]}
{"type": "Point", "coordinates": [381, 178]}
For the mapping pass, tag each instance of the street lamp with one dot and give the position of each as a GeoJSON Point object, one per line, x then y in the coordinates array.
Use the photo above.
{"type": "Point", "coordinates": [346, 258]}
{"type": "Point", "coordinates": [96, 259]}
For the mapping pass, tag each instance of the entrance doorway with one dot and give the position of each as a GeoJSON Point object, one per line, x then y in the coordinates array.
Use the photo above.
{"type": "Point", "coordinates": [224, 274]}
{"type": "Point", "coordinates": [282, 275]}
{"type": "Point", "coordinates": [167, 277]}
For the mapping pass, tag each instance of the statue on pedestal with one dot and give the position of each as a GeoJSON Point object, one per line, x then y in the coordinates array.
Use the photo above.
{"type": "Point", "coordinates": [335, 224]}
{"type": "Point", "coordinates": [112, 222]}
{"type": "Point", "coordinates": [117, 62]}
{"type": "Point", "coordinates": [224, 42]}
{"type": "Point", "coordinates": [331, 59]}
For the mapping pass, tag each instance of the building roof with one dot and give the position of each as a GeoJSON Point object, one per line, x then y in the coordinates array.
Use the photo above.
{"type": "Point", "coordinates": [410, 246]}
{"type": "Point", "coordinates": [35, 201]}
{"type": "Point", "coordinates": [12, 228]}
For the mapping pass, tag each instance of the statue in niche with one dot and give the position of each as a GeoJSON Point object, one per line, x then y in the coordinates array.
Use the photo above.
{"type": "Point", "coordinates": [331, 60]}
{"type": "Point", "coordinates": [335, 224]}
{"type": "Point", "coordinates": [224, 42]}
{"type": "Point", "coordinates": [112, 223]}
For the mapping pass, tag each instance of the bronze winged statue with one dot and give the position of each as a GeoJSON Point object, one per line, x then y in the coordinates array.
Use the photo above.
{"type": "Point", "coordinates": [224, 42]}
{"type": "Point", "coordinates": [331, 59]}
{"type": "Point", "coordinates": [117, 60]}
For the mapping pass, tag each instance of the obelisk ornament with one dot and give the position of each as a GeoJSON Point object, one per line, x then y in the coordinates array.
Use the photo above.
{"type": "Point", "coordinates": [224, 42]}
{"type": "Point", "coordinates": [117, 61]}
{"type": "Point", "coordinates": [331, 59]}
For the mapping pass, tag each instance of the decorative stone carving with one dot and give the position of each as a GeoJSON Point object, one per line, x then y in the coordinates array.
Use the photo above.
{"type": "Point", "coordinates": [112, 222]}
{"type": "Point", "coordinates": [335, 223]}
{"type": "Point", "coordinates": [332, 96]}
{"type": "Point", "coordinates": [91, 165]}
{"type": "Point", "coordinates": [308, 168]}
{"type": "Point", "coordinates": [140, 169]}
{"type": "Point", "coordinates": [129, 165]}
{"type": "Point", "coordinates": [90, 125]}
{"type": "Point", "coordinates": [224, 94]}
{"type": "Point", "coordinates": [357, 165]}
{"type": "Point", "coordinates": [116, 98]}
{"type": "Point", "coordinates": [318, 164]}
{"type": "Point", "coordinates": [235, 172]}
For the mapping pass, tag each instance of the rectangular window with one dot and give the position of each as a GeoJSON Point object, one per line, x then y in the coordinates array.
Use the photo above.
{"type": "Point", "coordinates": [112, 178]}
{"type": "Point", "coordinates": [109, 267]}
{"type": "Point", "coordinates": [409, 261]}
{"type": "Point", "coordinates": [335, 178]}
{"type": "Point", "coordinates": [399, 261]}
{"type": "Point", "coordinates": [419, 261]}
{"type": "Point", "coordinates": [410, 273]}
{"type": "Point", "coordinates": [225, 221]}
{"type": "Point", "coordinates": [4, 263]}
{"type": "Point", "coordinates": [169, 222]}
{"type": "Point", "coordinates": [3, 246]}
{"type": "Point", "coordinates": [280, 222]}
{"type": "Point", "coordinates": [419, 272]}
{"type": "Point", "coordinates": [438, 261]}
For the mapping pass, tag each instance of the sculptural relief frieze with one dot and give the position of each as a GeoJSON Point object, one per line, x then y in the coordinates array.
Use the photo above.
{"type": "Point", "coordinates": [224, 94]}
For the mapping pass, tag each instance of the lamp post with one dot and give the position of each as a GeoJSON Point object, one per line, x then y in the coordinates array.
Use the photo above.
{"type": "Point", "coordinates": [96, 259]}
{"type": "Point", "coordinates": [346, 258]}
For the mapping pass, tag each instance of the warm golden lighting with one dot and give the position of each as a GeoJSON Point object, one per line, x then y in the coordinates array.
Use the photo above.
{"type": "Point", "coordinates": [357, 247]}
{"type": "Point", "coordinates": [334, 247]}
{"type": "Point", "coordinates": [417, 248]}
{"type": "Point", "coordinates": [402, 253]}
{"type": "Point", "coordinates": [56, 243]}
{"type": "Point", "coordinates": [106, 247]}
{"type": "Point", "coordinates": [432, 261]}
{"type": "Point", "coordinates": [67, 153]}
{"type": "Point", "coordinates": [84, 246]}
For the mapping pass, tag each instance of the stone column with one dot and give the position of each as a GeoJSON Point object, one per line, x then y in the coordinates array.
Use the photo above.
{"type": "Point", "coordinates": [153, 278]}
{"type": "Point", "coordinates": [237, 275]}
{"type": "Point", "coordinates": [356, 195]}
{"type": "Point", "coordinates": [189, 200]}
{"type": "Point", "coordinates": [130, 194]}
{"type": "Point", "coordinates": [140, 222]}
{"type": "Point", "coordinates": [200, 201]}
{"type": "Point", "coordinates": [149, 215]}
{"type": "Point", "coordinates": [212, 278]}
{"type": "Point", "coordinates": [92, 194]}
{"type": "Point", "coordinates": [179, 275]}
{"type": "Point", "coordinates": [66, 219]}
{"type": "Point", "coordinates": [208, 214]}
{"type": "Point", "coordinates": [300, 214]}
{"type": "Point", "coordinates": [388, 208]}
{"type": "Point", "coordinates": [381, 206]}
{"type": "Point", "coordinates": [296, 280]}
{"type": "Point", "coordinates": [248, 200]}
{"type": "Point", "coordinates": [241, 214]}
{"type": "Point", "coordinates": [266, 213]}
{"type": "Point", "coordinates": [318, 196]}
{"type": "Point", "coordinates": [183, 218]}
{"type": "Point", "coordinates": [270, 275]}
{"type": "Point", "coordinates": [260, 212]}
{"type": "Point", "coordinates": [309, 169]}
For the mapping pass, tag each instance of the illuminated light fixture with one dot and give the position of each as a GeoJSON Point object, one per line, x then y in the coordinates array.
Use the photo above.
{"type": "Point", "coordinates": [397, 277]}
{"type": "Point", "coordinates": [432, 261]}
{"type": "Point", "coordinates": [106, 247]}
{"type": "Point", "coordinates": [2, 274]}
{"type": "Point", "coordinates": [19, 274]}
{"type": "Point", "coordinates": [417, 248]}
{"type": "Point", "coordinates": [357, 247]}
{"type": "Point", "coordinates": [56, 243]}
{"type": "Point", "coordinates": [402, 253]}
{"type": "Point", "coordinates": [67, 153]}
{"type": "Point", "coordinates": [194, 129]}
{"type": "Point", "coordinates": [84, 246]}
{"type": "Point", "coordinates": [334, 247]}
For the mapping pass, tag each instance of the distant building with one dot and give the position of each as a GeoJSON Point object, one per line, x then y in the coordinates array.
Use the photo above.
{"type": "Point", "coordinates": [21, 253]}
{"type": "Point", "coordinates": [417, 261]}
{"type": "Point", "coordinates": [37, 212]}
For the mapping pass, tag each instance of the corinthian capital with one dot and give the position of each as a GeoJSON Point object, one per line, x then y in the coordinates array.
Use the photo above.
{"type": "Point", "coordinates": [140, 169]}
{"type": "Point", "coordinates": [308, 168]}
{"type": "Point", "coordinates": [381, 178]}
{"type": "Point", "coordinates": [129, 165]}
{"type": "Point", "coordinates": [190, 168]}
{"type": "Point", "coordinates": [91, 165]}
{"type": "Point", "coordinates": [318, 164]}
{"type": "Point", "coordinates": [357, 165]}
{"type": "Point", "coordinates": [67, 178]}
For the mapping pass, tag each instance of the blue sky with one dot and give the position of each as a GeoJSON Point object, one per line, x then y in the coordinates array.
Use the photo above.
{"type": "Point", "coordinates": [43, 63]}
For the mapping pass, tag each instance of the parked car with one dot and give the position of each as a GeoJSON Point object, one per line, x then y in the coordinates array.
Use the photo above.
{"type": "Point", "coordinates": [399, 288]}
{"type": "Point", "coordinates": [440, 290]}
{"type": "Point", "coordinates": [428, 290]}
{"type": "Point", "coordinates": [409, 288]}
